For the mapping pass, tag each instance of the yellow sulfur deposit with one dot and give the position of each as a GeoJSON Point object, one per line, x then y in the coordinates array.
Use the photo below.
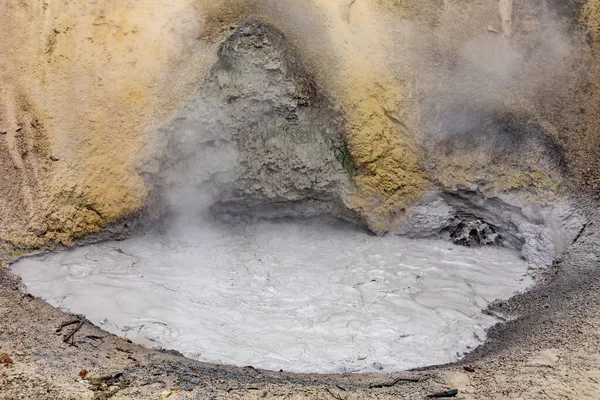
{"type": "Point", "coordinates": [89, 84]}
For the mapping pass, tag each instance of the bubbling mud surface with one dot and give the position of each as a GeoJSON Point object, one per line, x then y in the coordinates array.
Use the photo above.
{"type": "Point", "coordinates": [297, 296]}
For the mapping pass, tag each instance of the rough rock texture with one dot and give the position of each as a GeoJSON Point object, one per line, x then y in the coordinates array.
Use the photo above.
{"type": "Point", "coordinates": [540, 232]}
{"type": "Point", "coordinates": [259, 136]}
{"type": "Point", "coordinates": [519, 81]}
{"type": "Point", "coordinates": [70, 78]}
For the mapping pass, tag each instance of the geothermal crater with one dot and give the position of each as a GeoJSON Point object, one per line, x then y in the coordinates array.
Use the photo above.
{"type": "Point", "coordinates": [351, 188]}
{"type": "Point", "coordinates": [260, 142]}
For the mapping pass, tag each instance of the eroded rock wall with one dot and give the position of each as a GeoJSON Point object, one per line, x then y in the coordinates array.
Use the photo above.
{"type": "Point", "coordinates": [491, 96]}
{"type": "Point", "coordinates": [258, 137]}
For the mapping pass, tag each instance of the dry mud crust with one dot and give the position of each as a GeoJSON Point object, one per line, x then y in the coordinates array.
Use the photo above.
{"type": "Point", "coordinates": [550, 351]}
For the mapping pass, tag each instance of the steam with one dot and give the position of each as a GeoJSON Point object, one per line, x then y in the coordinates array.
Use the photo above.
{"type": "Point", "coordinates": [465, 71]}
{"type": "Point", "coordinates": [200, 158]}
{"type": "Point", "coordinates": [486, 60]}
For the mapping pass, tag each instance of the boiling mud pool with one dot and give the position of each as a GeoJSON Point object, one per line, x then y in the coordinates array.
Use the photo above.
{"type": "Point", "coordinates": [301, 297]}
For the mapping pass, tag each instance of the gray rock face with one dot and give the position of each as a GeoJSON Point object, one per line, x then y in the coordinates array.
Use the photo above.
{"type": "Point", "coordinates": [429, 218]}
{"type": "Point", "coordinates": [540, 232]}
{"type": "Point", "coordinates": [258, 137]}
{"type": "Point", "coordinates": [259, 140]}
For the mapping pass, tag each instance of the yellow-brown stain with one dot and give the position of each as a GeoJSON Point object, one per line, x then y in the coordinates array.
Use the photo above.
{"type": "Point", "coordinates": [104, 75]}
{"type": "Point", "coordinates": [591, 16]}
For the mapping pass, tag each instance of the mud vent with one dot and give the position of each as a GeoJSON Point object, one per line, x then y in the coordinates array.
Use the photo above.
{"type": "Point", "coordinates": [475, 233]}
{"type": "Point", "coordinates": [297, 296]}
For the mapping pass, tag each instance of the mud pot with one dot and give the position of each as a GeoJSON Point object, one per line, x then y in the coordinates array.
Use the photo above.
{"type": "Point", "coordinates": [302, 297]}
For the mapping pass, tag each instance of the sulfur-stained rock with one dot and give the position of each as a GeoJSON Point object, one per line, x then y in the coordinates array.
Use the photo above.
{"type": "Point", "coordinates": [339, 108]}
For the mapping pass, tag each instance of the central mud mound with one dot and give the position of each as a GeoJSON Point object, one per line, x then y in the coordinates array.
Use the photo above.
{"type": "Point", "coordinates": [303, 297]}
